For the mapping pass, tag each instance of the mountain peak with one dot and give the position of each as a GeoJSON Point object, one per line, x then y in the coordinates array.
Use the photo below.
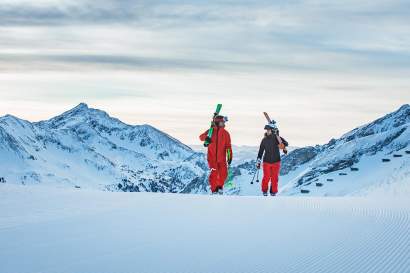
{"type": "Point", "coordinates": [404, 108]}
{"type": "Point", "coordinates": [82, 105]}
{"type": "Point", "coordinates": [79, 109]}
{"type": "Point", "coordinates": [395, 119]}
{"type": "Point", "coordinates": [76, 115]}
{"type": "Point", "coordinates": [9, 116]}
{"type": "Point", "coordinates": [82, 114]}
{"type": "Point", "coordinates": [12, 119]}
{"type": "Point", "coordinates": [402, 114]}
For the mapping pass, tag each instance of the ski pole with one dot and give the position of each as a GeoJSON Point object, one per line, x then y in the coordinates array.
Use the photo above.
{"type": "Point", "coordinates": [253, 178]}
{"type": "Point", "coordinates": [257, 176]}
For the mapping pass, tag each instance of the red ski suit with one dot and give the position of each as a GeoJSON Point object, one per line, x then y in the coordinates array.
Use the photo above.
{"type": "Point", "coordinates": [219, 152]}
{"type": "Point", "coordinates": [270, 173]}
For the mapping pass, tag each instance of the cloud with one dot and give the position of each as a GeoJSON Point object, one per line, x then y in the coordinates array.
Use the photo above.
{"type": "Point", "coordinates": [316, 35]}
{"type": "Point", "coordinates": [311, 56]}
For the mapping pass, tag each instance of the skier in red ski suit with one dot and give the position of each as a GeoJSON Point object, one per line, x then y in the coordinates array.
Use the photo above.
{"type": "Point", "coordinates": [219, 154]}
{"type": "Point", "coordinates": [270, 148]}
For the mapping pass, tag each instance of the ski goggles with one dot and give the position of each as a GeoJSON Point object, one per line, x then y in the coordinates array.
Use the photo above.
{"type": "Point", "coordinates": [221, 119]}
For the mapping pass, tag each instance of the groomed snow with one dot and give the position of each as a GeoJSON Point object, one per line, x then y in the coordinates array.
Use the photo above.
{"type": "Point", "coordinates": [54, 230]}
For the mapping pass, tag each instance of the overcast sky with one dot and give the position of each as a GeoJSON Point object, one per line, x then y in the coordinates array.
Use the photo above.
{"type": "Point", "coordinates": [319, 67]}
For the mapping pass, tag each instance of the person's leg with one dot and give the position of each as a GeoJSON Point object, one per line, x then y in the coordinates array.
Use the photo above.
{"type": "Point", "coordinates": [275, 177]}
{"type": "Point", "coordinates": [213, 179]}
{"type": "Point", "coordinates": [266, 177]}
{"type": "Point", "coordinates": [223, 174]}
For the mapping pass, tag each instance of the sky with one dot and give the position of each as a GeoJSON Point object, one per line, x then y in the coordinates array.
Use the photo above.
{"type": "Point", "coordinates": [319, 67]}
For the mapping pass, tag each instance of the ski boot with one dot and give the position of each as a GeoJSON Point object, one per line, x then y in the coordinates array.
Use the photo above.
{"type": "Point", "coordinates": [265, 194]}
{"type": "Point", "coordinates": [273, 194]}
{"type": "Point", "coordinates": [220, 191]}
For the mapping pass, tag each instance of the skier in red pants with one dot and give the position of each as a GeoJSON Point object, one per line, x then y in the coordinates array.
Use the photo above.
{"type": "Point", "coordinates": [219, 154]}
{"type": "Point", "coordinates": [270, 150]}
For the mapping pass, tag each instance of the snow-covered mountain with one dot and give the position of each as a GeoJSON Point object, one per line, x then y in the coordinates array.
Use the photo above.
{"type": "Point", "coordinates": [373, 158]}
{"type": "Point", "coordinates": [85, 147]}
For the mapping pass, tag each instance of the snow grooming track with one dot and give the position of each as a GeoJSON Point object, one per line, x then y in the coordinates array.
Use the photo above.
{"type": "Point", "coordinates": [383, 249]}
{"type": "Point", "coordinates": [88, 231]}
{"type": "Point", "coordinates": [344, 258]}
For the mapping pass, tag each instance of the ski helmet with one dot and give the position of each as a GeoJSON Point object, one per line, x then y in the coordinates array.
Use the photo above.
{"type": "Point", "coordinates": [219, 118]}
{"type": "Point", "coordinates": [271, 126]}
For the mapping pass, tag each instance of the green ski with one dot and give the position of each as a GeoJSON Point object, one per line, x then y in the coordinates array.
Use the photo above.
{"type": "Point", "coordinates": [211, 129]}
{"type": "Point", "coordinates": [229, 181]}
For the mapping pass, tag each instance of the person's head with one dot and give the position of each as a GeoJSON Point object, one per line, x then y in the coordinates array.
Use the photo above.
{"type": "Point", "coordinates": [220, 121]}
{"type": "Point", "coordinates": [271, 129]}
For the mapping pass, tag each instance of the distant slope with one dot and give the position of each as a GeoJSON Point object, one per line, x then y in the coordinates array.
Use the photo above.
{"type": "Point", "coordinates": [352, 164]}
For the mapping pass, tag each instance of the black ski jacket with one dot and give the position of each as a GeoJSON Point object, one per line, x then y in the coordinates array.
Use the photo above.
{"type": "Point", "coordinates": [269, 146]}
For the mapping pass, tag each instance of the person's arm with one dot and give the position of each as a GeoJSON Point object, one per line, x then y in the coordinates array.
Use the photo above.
{"type": "Point", "coordinates": [203, 136]}
{"type": "Point", "coordinates": [261, 150]}
{"type": "Point", "coordinates": [260, 154]}
{"type": "Point", "coordinates": [228, 148]}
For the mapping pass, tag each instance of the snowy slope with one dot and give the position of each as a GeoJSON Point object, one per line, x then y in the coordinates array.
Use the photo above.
{"type": "Point", "coordinates": [371, 159]}
{"type": "Point", "coordinates": [52, 230]}
{"type": "Point", "coordinates": [86, 147]}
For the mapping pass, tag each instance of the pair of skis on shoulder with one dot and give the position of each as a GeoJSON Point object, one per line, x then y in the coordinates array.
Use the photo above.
{"type": "Point", "coordinates": [271, 121]}
{"type": "Point", "coordinates": [211, 129]}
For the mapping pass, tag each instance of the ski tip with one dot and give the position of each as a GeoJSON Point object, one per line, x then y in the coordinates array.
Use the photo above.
{"type": "Point", "coordinates": [218, 108]}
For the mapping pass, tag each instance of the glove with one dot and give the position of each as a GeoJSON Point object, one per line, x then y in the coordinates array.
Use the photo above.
{"type": "Point", "coordinates": [282, 146]}
{"type": "Point", "coordinates": [285, 151]}
{"type": "Point", "coordinates": [230, 161]}
{"type": "Point", "coordinates": [258, 164]}
{"type": "Point", "coordinates": [208, 139]}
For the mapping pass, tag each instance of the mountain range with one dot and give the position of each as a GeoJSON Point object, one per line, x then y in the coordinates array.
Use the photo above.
{"type": "Point", "coordinates": [86, 148]}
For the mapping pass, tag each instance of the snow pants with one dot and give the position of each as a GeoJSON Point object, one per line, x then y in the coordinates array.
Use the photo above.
{"type": "Point", "coordinates": [270, 174]}
{"type": "Point", "coordinates": [218, 175]}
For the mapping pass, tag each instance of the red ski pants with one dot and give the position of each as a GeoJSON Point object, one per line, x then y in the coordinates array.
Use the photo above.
{"type": "Point", "coordinates": [270, 173]}
{"type": "Point", "coordinates": [218, 176]}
